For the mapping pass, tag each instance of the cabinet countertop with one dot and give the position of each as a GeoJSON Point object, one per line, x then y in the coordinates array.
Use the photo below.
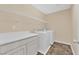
{"type": "Point", "coordinates": [14, 36]}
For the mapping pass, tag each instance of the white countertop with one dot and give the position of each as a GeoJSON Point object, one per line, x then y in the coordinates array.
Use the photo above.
{"type": "Point", "coordinates": [14, 36]}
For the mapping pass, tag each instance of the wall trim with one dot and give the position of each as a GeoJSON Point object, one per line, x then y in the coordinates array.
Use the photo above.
{"type": "Point", "coordinates": [44, 53]}
{"type": "Point", "coordinates": [63, 42]}
{"type": "Point", "coordinates": [73, 50]}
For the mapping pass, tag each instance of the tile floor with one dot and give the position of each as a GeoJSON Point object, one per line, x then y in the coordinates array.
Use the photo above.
{"type": "Point", "coordinates": [59, 49]}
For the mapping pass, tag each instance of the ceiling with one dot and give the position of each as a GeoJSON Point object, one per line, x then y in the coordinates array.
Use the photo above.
{"type": "Point", "coordinates": [51, 8]}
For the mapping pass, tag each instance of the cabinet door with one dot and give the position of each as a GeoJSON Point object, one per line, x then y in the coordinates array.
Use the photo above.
{"type": "Point", "coordinates": [32, 47]}
{"type": "Point", "coordinates": [18, 51]}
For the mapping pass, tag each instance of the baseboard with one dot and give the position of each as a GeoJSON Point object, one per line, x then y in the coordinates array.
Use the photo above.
{"type": "Point", "coordinates": [73, 50]}
{"type": "Point", "coordinates": [63, 42]}
{"type": "Point", "coordinates": [47, 50]}
{"type": "Point", "coordinates": [44, 53]}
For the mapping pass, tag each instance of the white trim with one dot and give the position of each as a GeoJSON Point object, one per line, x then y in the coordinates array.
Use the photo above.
{"type": "Point", "coordinates": [63, 42]}
{"type": "Point", "coordinates": [73, 50]}
{"type": "Point", "coordinates": [49, 9]}
{"type": "Point", "coordinates": [45, 51]}
{"type": "Point", "coordinates": [23, 14]}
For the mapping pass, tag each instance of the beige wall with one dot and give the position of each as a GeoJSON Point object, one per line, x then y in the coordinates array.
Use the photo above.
{"type": "Point", "coordinates": [61, 23]}
{"type": "Point", "coordinates": [10, 21]}
{"type": "Point", "coordinates": [24, 8]}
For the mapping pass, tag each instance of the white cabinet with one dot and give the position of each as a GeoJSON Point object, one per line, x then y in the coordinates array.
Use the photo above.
{"type": "Point", "coordinates": [18, 51]}
{"type": "Point", "coordinates": [45, 41]}
{"type": "Point", "coordinates": [26, 46]}
{"type": "Point", "coordinates": [32, 47]}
